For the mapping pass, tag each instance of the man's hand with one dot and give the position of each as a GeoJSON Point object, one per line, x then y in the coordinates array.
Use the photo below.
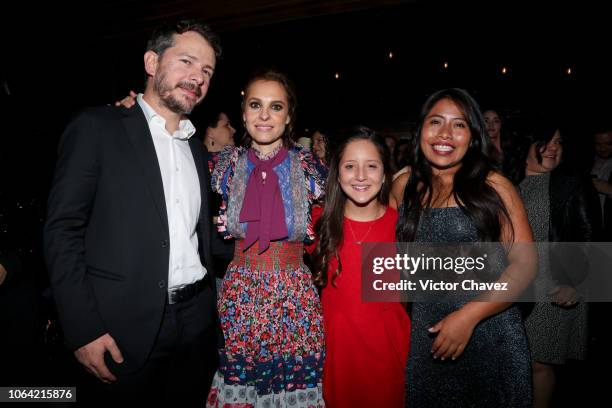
{"type": "Point", "coordinates": [603, 186]}
{"type": "Point", "coordinates": [128, 101]}
{"type": "Point", "coordinates": [91, 356]}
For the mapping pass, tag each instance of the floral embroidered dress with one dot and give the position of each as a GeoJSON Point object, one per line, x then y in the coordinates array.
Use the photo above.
{"type": "Point", "coordinates": [269, 308]}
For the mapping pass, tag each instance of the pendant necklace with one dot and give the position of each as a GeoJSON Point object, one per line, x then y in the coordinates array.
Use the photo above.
{"type": "Point", "coordinates": [360, 241]}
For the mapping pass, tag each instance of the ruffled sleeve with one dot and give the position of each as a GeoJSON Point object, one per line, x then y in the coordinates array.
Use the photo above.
{"type": "Point", "coordinates": [316, 174]}
{"type": "Point", "coordinates": [316, 213]}
{"type": "Point", "coordinates": [221, 179]}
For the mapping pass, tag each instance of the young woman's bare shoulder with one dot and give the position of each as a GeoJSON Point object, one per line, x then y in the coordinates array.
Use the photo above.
{"type": "Point", "coordinates": [498, 181]}
{"type": "Point", "coordinates": [504, 187]}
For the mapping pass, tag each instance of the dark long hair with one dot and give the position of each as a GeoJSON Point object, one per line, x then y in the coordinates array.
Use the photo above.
{"type": "Point", "coordinates": [506, 138]}
{"type": "Point", "coordinates": [329, 227]}
{"type": "Point", "coordinates": [271, 74]}
{"type": "Point", "coordinates": [476, 198]}
{"type": "Point", "coordinates": [540, 133]}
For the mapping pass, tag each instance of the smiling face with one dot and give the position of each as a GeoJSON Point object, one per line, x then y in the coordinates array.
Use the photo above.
{"type": "Point", "coordinates": [445, 135]}
{"type": "Point", "coordinates": [361, 172]}
{"type": "Point", "coordinates": [551, 154]}
{"type": "Point", "coordinates": [266, 114]}
{"type": "Point", "coordinates": [181, 75]}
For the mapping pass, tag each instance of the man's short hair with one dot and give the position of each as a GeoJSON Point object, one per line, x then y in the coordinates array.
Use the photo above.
{"type": "Point", "coordinates": [162, 37]}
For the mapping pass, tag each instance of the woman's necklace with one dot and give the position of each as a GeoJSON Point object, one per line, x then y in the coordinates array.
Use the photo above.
{"type": "Point", "coordinates": [360, 241]}
{"type": "Point", "coordinates": [266, 157]}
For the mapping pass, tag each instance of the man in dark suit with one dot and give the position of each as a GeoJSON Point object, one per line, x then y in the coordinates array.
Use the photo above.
{"type": "Point", "coordinates": [127, 236]}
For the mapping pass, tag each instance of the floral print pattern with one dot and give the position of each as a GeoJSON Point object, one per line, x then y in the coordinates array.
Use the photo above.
{"type": "Point", "coordinates": [268, 306]}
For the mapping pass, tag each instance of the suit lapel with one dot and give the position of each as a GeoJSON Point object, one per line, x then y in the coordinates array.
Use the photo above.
{"type": "Point", "coordinates": [140, 137]}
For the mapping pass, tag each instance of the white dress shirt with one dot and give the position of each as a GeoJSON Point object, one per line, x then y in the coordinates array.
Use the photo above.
{"type": "Point", "coordinates": [182, 195]}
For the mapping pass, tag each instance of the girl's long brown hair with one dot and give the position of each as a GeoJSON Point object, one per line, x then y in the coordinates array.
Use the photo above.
{"type": "Point", "coordinates": [329, 226]}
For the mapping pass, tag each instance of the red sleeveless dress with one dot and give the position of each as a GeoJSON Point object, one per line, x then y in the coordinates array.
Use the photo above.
{"type": "Point", "coordinates": [366, 342]}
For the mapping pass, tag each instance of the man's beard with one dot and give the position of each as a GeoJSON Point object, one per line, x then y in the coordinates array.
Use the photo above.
{"type": "Point", "coordinates": [164, 90]}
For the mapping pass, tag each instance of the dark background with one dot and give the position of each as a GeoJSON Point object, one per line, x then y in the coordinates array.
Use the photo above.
{"type": "Point", "coordinates": [59, 57]}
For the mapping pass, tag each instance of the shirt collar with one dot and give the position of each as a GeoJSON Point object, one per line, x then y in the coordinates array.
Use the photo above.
{"type": "Point", "coordinates": [186, 129]}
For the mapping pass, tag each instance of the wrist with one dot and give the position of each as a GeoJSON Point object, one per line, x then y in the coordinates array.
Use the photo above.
{"type": "Point", "coordinates": [475, 311]}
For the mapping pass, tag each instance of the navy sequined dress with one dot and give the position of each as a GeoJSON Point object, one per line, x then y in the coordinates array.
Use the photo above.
{"type": "Point", "coordinates": [495, 367]}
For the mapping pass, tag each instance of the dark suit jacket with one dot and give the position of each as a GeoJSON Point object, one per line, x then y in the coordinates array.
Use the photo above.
{"type": "Point", "coordinates": [106, 235]}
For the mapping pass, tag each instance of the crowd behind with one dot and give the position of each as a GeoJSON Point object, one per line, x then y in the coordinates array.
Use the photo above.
{"type": "Point", "coordinates": [291, 212]}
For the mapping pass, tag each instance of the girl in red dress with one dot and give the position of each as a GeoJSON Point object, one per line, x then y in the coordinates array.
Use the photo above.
{"type": "Point", "coordinates": [366, 342]}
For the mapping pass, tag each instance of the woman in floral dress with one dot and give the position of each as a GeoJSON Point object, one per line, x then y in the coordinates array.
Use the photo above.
{"type": "Point", "coordinates": [269, 308]}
